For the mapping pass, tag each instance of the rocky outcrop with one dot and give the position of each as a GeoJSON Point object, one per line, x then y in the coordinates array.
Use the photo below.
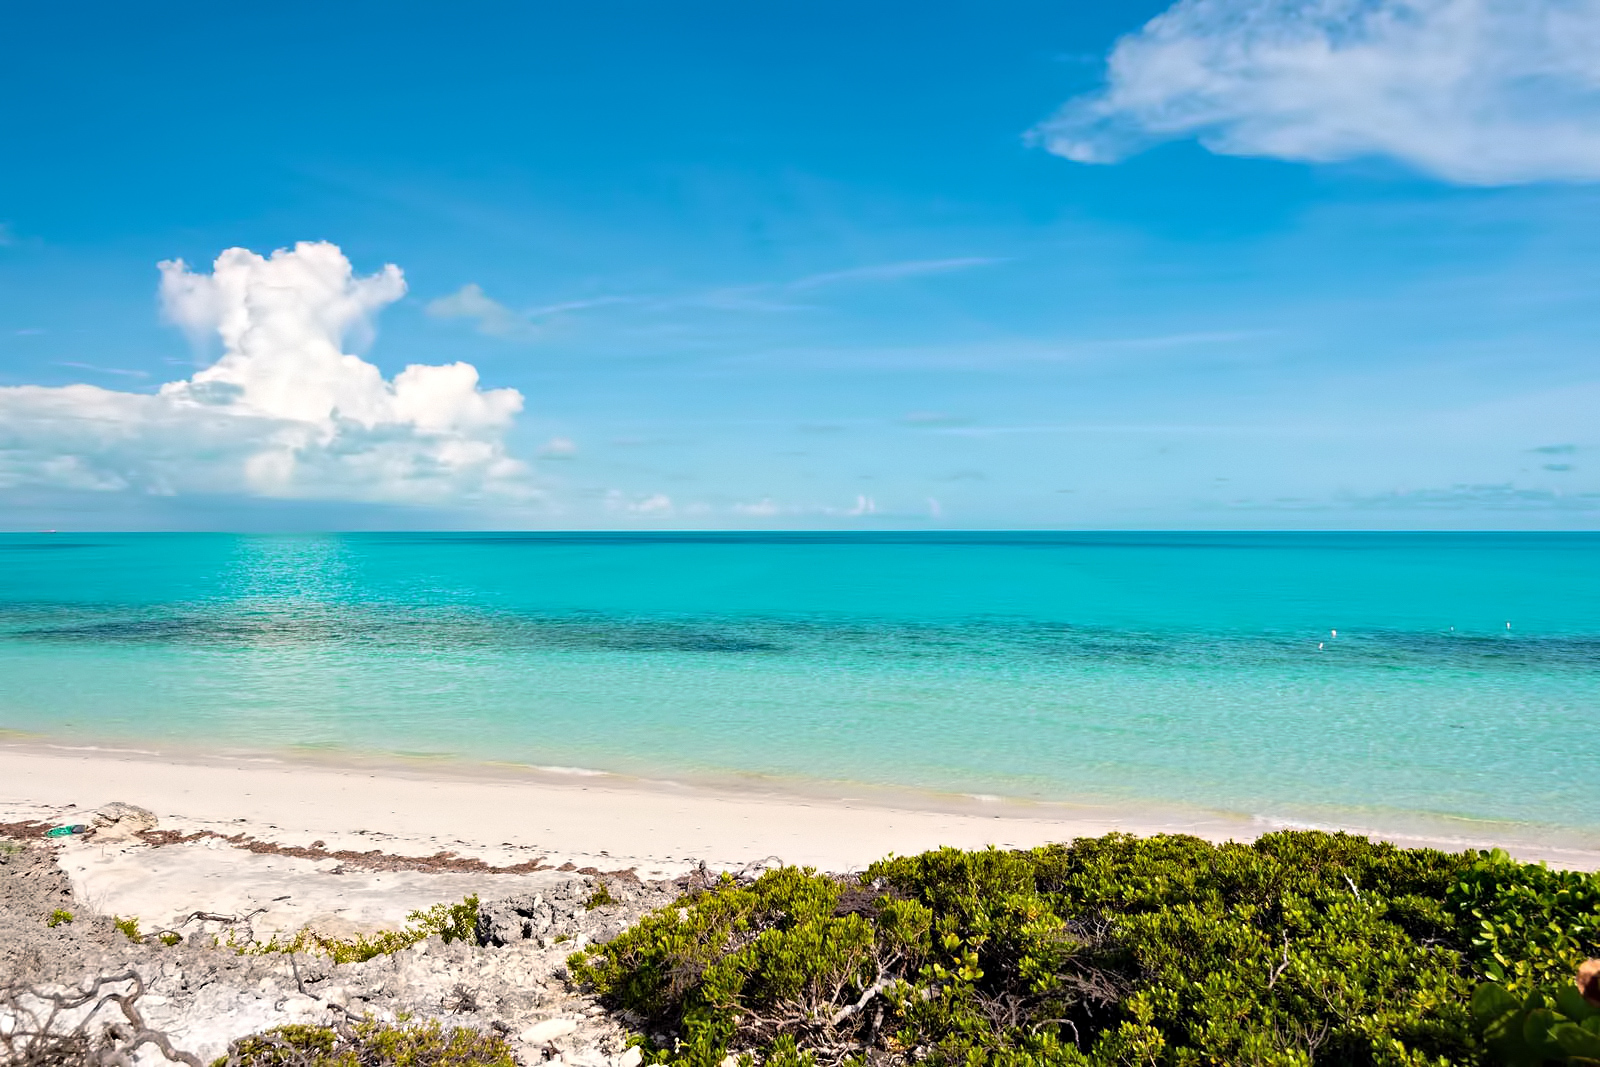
{"type": "Point", "coordinates": [512, 981]}
{"type": "Point", "coordinates": [121, 822]}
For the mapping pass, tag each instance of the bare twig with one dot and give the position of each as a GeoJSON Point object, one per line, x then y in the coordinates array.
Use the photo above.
{"type": "Point", "coordinates": [1278, 971]}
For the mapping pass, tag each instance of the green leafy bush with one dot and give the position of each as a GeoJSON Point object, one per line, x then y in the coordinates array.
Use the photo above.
{"type": "Point", "coordinates": [1302, 947]}
{"type": "Point", "coordinates": [1529, 925]}
{"type": "Point", "coordinates": [59, 916]}
{"type": "Point", "coordinates": [1552, 1024]}
{"type": "Point", "coordinates": [369, 1044]}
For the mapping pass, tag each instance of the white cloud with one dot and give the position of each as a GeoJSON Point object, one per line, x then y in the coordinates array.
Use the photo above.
{"type": "Point", "coordinates": [654, 504]}
{"type": "Point", "coordinates": [864, 505]}
{"type": "Point", "coordinates": [493, 318]}
{"type": "Point", "coordinates": [1480, 92]}
{"type": "Point", "coordinates": [767, 508]}
{"type": "Point", "coordinates": [285, 412]}
{"type": "Point", "coordinates": [558, 448]}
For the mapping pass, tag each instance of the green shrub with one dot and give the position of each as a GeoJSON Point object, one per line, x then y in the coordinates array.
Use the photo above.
{"type": "Point", "coordinates": [1552, 1024]}
{"type": "Point", "coordinates": [129, 928]}
{"type": "Point", "coordinates": [59, 916]}
{"type": "Point", "coordinates": [369, 1044]}
{"type": "Point", "coordinates": [452, 922]}
{"type": "Point", "coordinates": [1302, 947]}
{"type": "Point", "coordinates": [1529, 925]}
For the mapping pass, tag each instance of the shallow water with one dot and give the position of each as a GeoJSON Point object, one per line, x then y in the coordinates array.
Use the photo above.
{"type": "Point", "coordinates": [1192, 669]}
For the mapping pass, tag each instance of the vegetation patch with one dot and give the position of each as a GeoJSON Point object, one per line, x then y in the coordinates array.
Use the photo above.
{"type": "Point", "coordinates": [369, 1044]}
{"type": "Point", "coordinates": [59, 916]}
{"type": "Point", "coordinates": [452, 922]}
{"type": "Point", "coordinates": [1301, 948]}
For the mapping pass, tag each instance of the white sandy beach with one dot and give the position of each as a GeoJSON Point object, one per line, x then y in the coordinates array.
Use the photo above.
{"type": "Point", "coordinates": [266, 848]}
{"type": "Point", "coordinates": [657, 830]}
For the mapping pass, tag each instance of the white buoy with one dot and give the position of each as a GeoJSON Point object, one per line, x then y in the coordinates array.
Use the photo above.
{"type": "Point", "coordinates": [1334, 633]}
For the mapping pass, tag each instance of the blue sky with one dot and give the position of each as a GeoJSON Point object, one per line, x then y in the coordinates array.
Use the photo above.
{"type": "Point", "coordinates": [802, 265]}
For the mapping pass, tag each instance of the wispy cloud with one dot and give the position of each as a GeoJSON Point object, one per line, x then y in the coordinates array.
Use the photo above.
{"type": "Point", "coordinates": [558, 448]}
{"type": "Point", "coordinates": [578, 305]}
{"type": "Point", "coordinates": [648, 504]}
{"type": "Point", "coordinates": [1022, 352]}
{"type": "Point", "coordinates": [496, 319]}
{"type": "Point", "coordinates": [779, 296]}
{"type": "Point", "coordinates": [1197, 339]}
{"type": "Point", "coordinates": [1494, 497]}
{"type": "Point", "coordinates": [889, 272]}
{"type": "Point", "coordinates": [103, 370]}
{"type": "Point", "coordinates": [767, 508]}
{"type": "Point", "coordinates": [492, 317]}
{"type": "Point", "coordinates": [1478, 92]}
{"type": "Point", "coordinates": [935, 418]}
{"type": "Point", "coordinates": [1134, 429]}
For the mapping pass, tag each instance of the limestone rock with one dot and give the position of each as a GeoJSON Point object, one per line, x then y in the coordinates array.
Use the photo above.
{"type": "Point", "coordinates": [549, 1030]}
{"type": "Point", "coordinates": [121, 822]}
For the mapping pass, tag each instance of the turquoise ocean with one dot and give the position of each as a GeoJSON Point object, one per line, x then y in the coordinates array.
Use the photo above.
{"type": "Point", "coordinates": [1353, 679]}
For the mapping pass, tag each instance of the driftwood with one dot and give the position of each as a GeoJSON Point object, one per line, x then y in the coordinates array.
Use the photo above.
{"type": "Point", "coordinates": [40, 1028]}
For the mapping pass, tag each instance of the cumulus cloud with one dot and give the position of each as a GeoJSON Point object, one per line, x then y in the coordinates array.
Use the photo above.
{"type": "Point", "coordinates": [285, 412]}
{"type": "Point", "coordinates": [1479, 92]}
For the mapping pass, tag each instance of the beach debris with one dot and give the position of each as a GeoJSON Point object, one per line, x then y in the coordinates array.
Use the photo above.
{"type": "Point", "coordinates": [67, 831]}
{"type": "Point", "coordinates": [118, 821]}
